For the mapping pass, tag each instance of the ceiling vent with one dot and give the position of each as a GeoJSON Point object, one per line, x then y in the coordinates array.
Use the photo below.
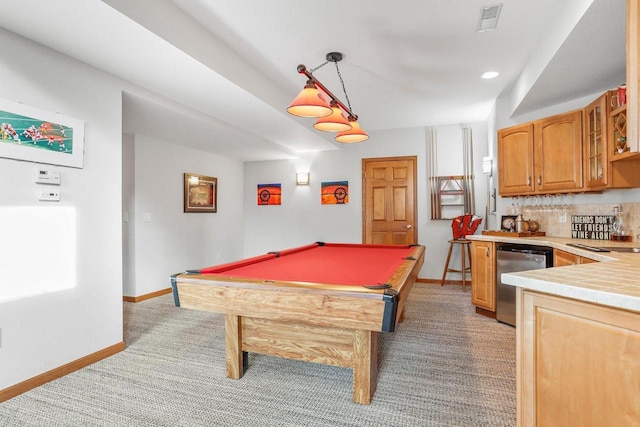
{"type": "Point", "coordinates": [489, 17]}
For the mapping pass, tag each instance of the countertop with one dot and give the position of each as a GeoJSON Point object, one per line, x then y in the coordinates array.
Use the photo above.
{"type": "Point", "coordinates": [614, 281]}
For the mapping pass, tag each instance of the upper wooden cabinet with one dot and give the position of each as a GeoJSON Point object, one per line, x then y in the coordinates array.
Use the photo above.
{"type": "Point", "coordinates": [558, 153]}
{"type": "Point", "coordinates": [633, 75]}
{"type": "Point", "coordinates": [515, 159]}
{"type": "Point", "coordinates": [596, 117]}
{"type": "Point", "coordinates": [542, 157]}
{"type": "Point", "coordinates": [607, 164]}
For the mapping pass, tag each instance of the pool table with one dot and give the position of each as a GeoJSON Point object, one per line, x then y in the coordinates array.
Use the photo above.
{"type": "Point", "coordinates": [323, 303]}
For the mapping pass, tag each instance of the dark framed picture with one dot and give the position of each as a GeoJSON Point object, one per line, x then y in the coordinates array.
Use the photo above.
{"type": "Point", "coordinates": [508, 223]}
{"type": "Point", "coordinates": [200, 193]}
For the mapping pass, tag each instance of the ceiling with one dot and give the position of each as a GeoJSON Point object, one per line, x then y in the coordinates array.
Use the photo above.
{"type": "Point", "coordinates": [218, 75]}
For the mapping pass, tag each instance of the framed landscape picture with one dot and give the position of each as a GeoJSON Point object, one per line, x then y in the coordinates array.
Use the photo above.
{"type": "Point", "coordinates": [34, 135]}
{"type": "Point", "coordinates": [200, 193]}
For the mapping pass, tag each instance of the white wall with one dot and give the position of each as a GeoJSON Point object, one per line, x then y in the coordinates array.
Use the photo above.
{"type": "Point", "coordinates": [64, 316]}
{"type": "Point", "coordinates": [301, 219]}
{"type": "Point", "coordinates": [173, 241]}
{"type": "Point", "coordinates": [128, 215]}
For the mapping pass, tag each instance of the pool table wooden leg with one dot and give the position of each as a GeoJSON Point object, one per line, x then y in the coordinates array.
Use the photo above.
{"type": "Point", "coordinates": [365, 365]}
{"type": "Point", "coordinates": [233, 342]}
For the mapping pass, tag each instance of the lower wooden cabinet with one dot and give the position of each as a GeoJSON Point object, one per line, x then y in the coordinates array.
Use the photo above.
{"type": "Point", "coordinates": [578, 364]}
{"type": "Point", "coordinates": [562, 258]}
{"type": "Point", "coordinates": [483, 277]}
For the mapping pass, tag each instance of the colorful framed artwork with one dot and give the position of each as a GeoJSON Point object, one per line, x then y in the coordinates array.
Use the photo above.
{"type": "Point", "coordinates": [269, 194]}
{"type": "Point", "coordinates": [200, 193]}
{"type": "Point", "coordinates": [34, 135]}
{"type": "Point", "coordinates": [335, 192]}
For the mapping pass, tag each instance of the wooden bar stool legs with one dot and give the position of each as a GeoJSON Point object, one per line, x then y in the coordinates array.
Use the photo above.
{"type": "Point", "coordinates": [464, 257]}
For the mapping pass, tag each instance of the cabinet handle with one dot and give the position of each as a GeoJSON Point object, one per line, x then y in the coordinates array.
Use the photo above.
{"type": "Point", "coordinates": [539, 179]}
{"type": "Point", "coordinates": [486, 252]}
{"type": "Point", "coordinates": [528, 181]}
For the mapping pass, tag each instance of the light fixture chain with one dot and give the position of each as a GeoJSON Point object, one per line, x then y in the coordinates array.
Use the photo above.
{"type": "Point", "coordinates": [343, 88]}
{"type": "Point", "coordinates": [318, 67]}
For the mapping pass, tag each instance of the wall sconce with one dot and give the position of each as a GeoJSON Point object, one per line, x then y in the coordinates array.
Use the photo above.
{"type": "Point", "coordinates": [311, 102]}
{"type": "Point", "coordinates": [302, 178]}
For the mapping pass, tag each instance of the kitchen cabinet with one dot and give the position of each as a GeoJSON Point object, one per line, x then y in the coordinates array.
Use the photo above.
{"type": "Point", "coordinates": [558, 153]}
{"type": "Point", "coordinates": [542, 157]}
{"type": "Point", "coordinates": [515, 159]}
{"type": "Point", "coordinates": [596, 117]}
{"type": "Point", "coordinates": [618, 145]}
{"type": "Point", "coordinates": [633, 78]}
{"type": "Point", "coordinates": [624, 163]}
{"type": "Point", "coordinates": [624, 146]}
{"type": "Point", "coordinates": [609, 163]}
{"type": "Point", "coordinates": [483, 277]}
{"type": "Point", "coordinates": [562, 258]}
{"type": "Point", "coordinates": [577, 363]}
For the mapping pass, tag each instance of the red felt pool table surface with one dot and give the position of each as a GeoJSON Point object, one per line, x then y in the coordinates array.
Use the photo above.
{"type": "Point", "coordinates": [322, 303]}
{"type": "Point", "coordinates": [333, 263]}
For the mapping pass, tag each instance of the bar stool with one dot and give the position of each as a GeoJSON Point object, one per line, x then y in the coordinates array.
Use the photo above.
{"type": "Point", "coordinates": [461, 226]}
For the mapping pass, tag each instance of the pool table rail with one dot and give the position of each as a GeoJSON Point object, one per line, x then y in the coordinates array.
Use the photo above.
{"type": "Point", "coordinates": [289, 304]}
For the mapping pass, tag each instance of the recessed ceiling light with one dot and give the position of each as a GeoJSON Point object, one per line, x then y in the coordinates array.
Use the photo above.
{"type": "Point", "coordinates": [490, 75]}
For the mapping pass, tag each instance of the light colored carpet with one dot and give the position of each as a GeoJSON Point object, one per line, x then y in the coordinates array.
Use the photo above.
{"type": "Point", "coordinates": [444, 366]}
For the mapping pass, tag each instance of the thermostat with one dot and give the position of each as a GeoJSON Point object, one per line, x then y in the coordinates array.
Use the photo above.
{"type": "Point", "coordinates": [44, 176]}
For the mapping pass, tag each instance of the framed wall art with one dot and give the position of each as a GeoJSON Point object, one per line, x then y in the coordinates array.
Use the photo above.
{"type": "Point", "coordinates": [334, 192]}
{"type": "Point", "coordinates": [34, 135]}
{"type": "Point", "coordinates": [269, 194]}
{"type": "Point", "coordinates": [508, 223]}
{"type": "Point", "coordinates": [200, 193]}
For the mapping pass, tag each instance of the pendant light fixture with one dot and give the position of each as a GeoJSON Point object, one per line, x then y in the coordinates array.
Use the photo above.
{"type": "Point", "coordinates": [335, 122]}
{"type": "Point", "coordinates": [355, 134]}
{"type": "Point", "coordinates": [311, 103]}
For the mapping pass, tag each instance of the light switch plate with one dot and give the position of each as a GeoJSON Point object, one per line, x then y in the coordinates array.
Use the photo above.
{"type": "Point", "coordinates": [49, 195]}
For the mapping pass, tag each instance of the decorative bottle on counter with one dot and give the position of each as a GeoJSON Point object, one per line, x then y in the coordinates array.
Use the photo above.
{"type": "Point", "coordinates": [520, 224]}
{"type": "Point", "coordinates": [619, 234]}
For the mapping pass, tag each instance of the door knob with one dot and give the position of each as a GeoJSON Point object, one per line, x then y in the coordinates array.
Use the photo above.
{"type": "Point", "coordinates": [408, 225]}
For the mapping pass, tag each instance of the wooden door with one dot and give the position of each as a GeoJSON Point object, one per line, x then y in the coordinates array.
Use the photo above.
{"type": "Point", "coordinates": [389, 200]}
{"type": "Point", "coordinates": [515, 160]}
{"type": "Point", "coordinates": [558, 155]}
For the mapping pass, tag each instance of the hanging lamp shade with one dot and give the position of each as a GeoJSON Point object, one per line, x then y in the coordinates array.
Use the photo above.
{"type": "Point", "coordinates": [335, 122]}
{"type": "Point", "coordinates": [309, 103]}
{"type": "Point", "coordinates": [355, 134]}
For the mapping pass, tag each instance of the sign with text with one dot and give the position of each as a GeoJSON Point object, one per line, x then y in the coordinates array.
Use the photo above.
{"type": "Point", "coordinates": [596, 227]}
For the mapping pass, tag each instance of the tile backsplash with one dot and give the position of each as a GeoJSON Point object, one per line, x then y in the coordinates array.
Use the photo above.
{"type": "Point", "coordinates": [555, 219]}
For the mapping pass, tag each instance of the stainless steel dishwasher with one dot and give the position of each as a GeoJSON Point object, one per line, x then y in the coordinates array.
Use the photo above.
{"type": "Point", "coordinates": [512, 258]}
